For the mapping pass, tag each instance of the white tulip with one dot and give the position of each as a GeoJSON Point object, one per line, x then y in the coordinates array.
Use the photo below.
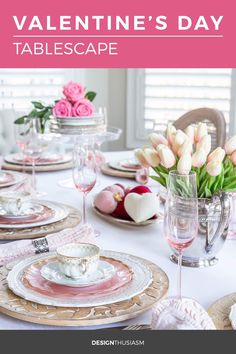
{"type": "Point", "coordinates": [151, 156]}
{"type": "Point", "coordinates": [217, 154]}
{"type": "Point", "coordinates": [205, 143]}
{"type": "Point", "coordinates": [190, 132]}
{"type": "Point", "coordinates": [230, 145]}
{"type": "Point", "coordinates": [186, 147]}
{"type": "Point", "coordinates": [214, 168]}
{"type": "Point", "coordinates": [171, 131]}
{"type": "Point", "coordinates": [185, 163]}
{"type": "Point", "coordinates": [166, 155]}
{"type": "Point", "coordinates": [139, 155]}
{"type": "Point", "coordinates": [199, 158]}
{"type": "Point", "coordinates": [200, 132]}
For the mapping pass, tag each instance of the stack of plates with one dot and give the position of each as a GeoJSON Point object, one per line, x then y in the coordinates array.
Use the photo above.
{"type": "Point", "coordinates": [125, 168]}
{"type": "Point", "coordinates": [9, 179]}
{"type": "Point", "coordinates": [78, 125]}
{"type": "Point", "coordinates": [47, 162]}
{"type": "Point", "coordinates": [37, 213]}
{"type": "Point", "coordinates": [121, 288]}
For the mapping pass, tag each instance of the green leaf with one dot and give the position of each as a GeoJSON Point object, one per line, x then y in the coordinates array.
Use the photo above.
{"type": "Point", "coordinates": [159, 180]}
{"type": "Point", "coordinates": [208, 193]}
{"type": "Point", "coordinates": [20, 120]}
{"type": "Point", "coordinates": [37, 105]}
{"type": "Point", "coordinates": [90, 95]}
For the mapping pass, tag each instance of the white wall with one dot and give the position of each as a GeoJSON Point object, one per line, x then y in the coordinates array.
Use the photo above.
{"type": "Point", "coordinates": [110, 85]}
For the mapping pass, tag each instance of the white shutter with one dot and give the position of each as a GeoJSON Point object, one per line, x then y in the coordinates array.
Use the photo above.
{"type": "Point", "coordinates": [169, 93]}
{"type": "Point", "coordinates": [18, 87]}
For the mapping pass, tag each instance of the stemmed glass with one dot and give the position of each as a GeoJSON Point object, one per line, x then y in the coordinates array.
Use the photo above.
{"type": "Point", "coordinates": [35, 145]}
{"type": "Point", "coordinates": [181, 215]}
{"type": "Point", "coordinates": [84, 170]}
{"type": "Point", "coordinates": [20, 138]}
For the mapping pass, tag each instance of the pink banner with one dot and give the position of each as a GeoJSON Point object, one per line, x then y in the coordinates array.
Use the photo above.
{"type": "Point", "coordinates": [106, 33]}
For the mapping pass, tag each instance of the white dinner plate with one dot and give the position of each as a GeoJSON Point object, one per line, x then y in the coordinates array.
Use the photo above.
{"type": "Point", "coordinates": [52, 273]}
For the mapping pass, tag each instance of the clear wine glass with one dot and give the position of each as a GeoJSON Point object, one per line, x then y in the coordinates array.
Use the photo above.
{"type": "Point", "coordinates": [21, 139]}
{"type": "Point", "coordinates": [181, 215]}
{"type": "Point", "coordinates": [35, 145]}
{"type": "Point", "coordinates": [84, 170]}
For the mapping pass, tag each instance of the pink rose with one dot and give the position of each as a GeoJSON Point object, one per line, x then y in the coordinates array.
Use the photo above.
{"type": "Point", "coordinates": [73, 91]}
{"type": "Point", "coordinates": [83, 108]}
{"type": "Point", "coordinates": [62, 108]}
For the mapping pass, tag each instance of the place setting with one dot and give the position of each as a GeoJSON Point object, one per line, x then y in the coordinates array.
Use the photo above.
{"type": "Point", "coordinates": [80, 285]}
{"type": "Point", "coordinates": [21, 216]}
{"type": "Point", "coordinates": [125, 168]}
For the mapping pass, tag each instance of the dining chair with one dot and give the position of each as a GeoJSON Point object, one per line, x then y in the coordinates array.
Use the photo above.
{"type": "Point", "coordinates": [214, 119]}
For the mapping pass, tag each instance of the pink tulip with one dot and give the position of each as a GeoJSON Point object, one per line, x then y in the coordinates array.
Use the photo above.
{"type": "Point", "coordinates": [179, 140]}
{"type": "Point", "coordinates": [141, 158]}
{"type": "Point", "coordinates": [205, 143]}
{"type": "Point", "coordinates": [214, 167]}
{"type": "Point", "coordinates": [186, 147]}
{"type": "Point", "coordinates": [217, 154]}
{"type": "Point", "coordinates": [185, 164]}
{"type": "Point", "coordinates": [200, 132]}
{"type": "Point", "coordinates": [166, 155]}
{"type": "Point", "coordinates": [199, 158]}
{"type": "Point", "coordinates": [190, 132]}
{"type": "Point", "coordinates": [230, 145]}
{"type": "Point", "coordinates": [151, 156]}
{"type": "Point", "coordinates": [171, 131]}
{"type": "Point", "coordinates": [233, 157]}
{"type": "Point", "coordinates": [156, 139]}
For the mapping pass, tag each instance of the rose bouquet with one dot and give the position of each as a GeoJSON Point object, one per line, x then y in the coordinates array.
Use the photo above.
{"type": "Point", "coordinates": [190, 150]}
{"type": "Point", "coordinates": [76, 103]}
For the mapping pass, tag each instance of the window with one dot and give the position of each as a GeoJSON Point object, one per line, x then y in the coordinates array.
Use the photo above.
{"type": "Point", "coordinates": [158, 96]}
{"type": "Point", "coordinates": [18, 87]}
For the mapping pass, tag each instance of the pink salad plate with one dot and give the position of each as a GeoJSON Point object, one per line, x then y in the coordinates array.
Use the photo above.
{"type": "Point", "coordinates": [132, 277]}
{"type": "Point", "coordinates": [44, 214]}
{"type": "Point", "coordinates": [8, 179]}
{"type": "Point", "coordinates": [46, 159]}
{"type": "Point", "coordinates": [32, 279]}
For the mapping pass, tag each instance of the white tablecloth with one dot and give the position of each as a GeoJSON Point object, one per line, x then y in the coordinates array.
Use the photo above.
{"type": "Point", "coordinates": [206, 285]}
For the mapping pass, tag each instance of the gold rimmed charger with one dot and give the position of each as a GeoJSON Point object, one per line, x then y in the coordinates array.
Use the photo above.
{"type": "Point", "coordinates": [220, 310]}
{"type": "Point", "coordinates": [107, 170]}
{"type": "Point", "coordinates": [14, 306]}
{"type": "Point", "coordinates": [72, 220]}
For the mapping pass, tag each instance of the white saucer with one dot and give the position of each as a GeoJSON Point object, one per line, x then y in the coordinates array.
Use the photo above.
{"type": "Point", "coordinates": [52, 273]}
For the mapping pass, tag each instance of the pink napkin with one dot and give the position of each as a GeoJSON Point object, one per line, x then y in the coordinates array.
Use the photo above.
{"type": "Point", "coordinates": [18, 249]}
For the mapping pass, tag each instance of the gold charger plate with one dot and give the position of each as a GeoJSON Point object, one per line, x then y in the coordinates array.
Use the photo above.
{"type": "Point", "coordinates": [219, 311]}
{"type": "Point", "coordinates": [47, 168]}
{"type": "Point", "coordinates": [107, 170]}
{"type": "Point", "coordinates": [73, 219]}
{"type": "Point", "coordinates": [118, 221]}
{"type": "Point", "coordinates": [14, 306]}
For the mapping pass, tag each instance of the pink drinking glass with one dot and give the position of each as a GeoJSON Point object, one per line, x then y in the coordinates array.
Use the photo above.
{"type": "Point", "coordinates": [84, 171]}
{"type": "Point", "coordinates": [181, 214]}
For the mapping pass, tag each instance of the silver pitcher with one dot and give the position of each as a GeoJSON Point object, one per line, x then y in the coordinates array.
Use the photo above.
{"type": "Point", "coordinates": [213, 215]}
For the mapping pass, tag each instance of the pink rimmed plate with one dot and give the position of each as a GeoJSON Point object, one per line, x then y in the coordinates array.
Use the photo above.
{"type": "Point", "coordinates": [51, 212]}
{"type": "Point", "coordinates": [8, 179]}
{"type": "Point", "coordinates": [133, 277]}
{"type": "Point", "coordinates": [45, 160]}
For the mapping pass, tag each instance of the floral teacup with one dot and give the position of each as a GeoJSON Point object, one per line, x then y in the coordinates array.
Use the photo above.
{"type": "Point", "coordinates": [77, 260]}
{"type": "Point", "coordinates": [14, 203]}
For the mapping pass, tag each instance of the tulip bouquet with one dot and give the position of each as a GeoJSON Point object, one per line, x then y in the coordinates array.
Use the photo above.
{"type": "Point", "coordinates": [190, 150]}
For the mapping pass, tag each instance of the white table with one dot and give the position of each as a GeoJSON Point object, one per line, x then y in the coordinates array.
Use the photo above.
{"type": "Point", "coordinates": [203, 284]}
